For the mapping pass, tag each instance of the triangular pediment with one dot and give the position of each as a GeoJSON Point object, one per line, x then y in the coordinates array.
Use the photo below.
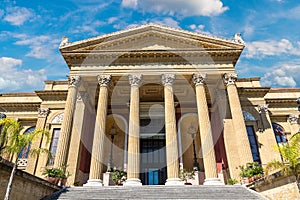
{"type": "Point", "coordinates": [150, 37]}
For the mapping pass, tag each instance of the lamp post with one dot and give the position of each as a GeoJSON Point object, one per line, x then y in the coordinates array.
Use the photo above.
{"type": "Point", "coordinates": [112, 134]}
{"type": "Point", "coordinates": [193, 131]}
{"type": "Point", "coordinates": [2, 116]}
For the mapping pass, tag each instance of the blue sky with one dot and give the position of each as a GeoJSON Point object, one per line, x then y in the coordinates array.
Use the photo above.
{"type": "Point", "coordinates": [31, 31]}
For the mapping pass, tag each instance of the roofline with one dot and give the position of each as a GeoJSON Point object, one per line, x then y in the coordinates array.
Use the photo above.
{"type": "Point", "coordinates": [67, 44]}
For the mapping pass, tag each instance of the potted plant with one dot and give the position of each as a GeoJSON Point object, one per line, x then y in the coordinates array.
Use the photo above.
{"type": "Point", "coordinates": [64, 175]}
{"type": "Point", "coordinates": [118, 176]}
{"type": "Point", "coordinates": [232, 181]}
{"type": "Point", "coordinates": [52, 175]}
{"type": "Point", "coordinates": [185, 175]}
{"type": "Point", "coordinates": [251, 172]}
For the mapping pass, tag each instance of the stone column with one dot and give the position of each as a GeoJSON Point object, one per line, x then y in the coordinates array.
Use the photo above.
{"type": "Point", "coordinates": [40, 124]}
{"type": "Point", "coordinates": [79, 131]}
{"type": "Point", "coordinates": [207, 143]}
{"type": "Point", "coordinates": [133, 167]}
{"type": "Point", "coordinates": [171, 133]}
{"type": "Point", "coordinates": [238, 119]}
{"type": "Point", "coordinates": [99, 133]}
{"type": "Point", "coordinates": [66, 128]}
{"type": "Point", "coordinates": [263, 136]}
{"type": "Point", "coordinates": [293, 119]}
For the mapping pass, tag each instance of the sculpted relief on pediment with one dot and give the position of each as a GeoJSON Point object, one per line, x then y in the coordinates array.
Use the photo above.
{"type": "Point", "coordinates": [151, 40]}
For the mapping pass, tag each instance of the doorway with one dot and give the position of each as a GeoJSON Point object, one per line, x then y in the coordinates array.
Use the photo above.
{"type": "Point", "coordinates": [153, 152]}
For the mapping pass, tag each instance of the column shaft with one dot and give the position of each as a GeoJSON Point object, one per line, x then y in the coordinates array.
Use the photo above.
{"type": "Point", "coordinates": [99, 133]}
{"type": "Point", "coordinates": [65, 134]}
{"type": "Point", "coordinates": [133, 168]}
{"type": "Point", "coordinates": [171, 132]}
{"type": "Point", "coordinates": [238, 120]}
{"type": "Point", "coordinates": [207, 143]}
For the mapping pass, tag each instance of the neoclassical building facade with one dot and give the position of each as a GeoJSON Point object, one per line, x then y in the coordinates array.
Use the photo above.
{"type": "Point", "coordinates": [154, 100]}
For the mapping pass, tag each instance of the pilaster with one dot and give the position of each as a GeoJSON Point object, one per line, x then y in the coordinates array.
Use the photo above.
{"type": "Point", "coordinates": [40, 124]}
{"type": "Point", "coordinates": [293, 120]}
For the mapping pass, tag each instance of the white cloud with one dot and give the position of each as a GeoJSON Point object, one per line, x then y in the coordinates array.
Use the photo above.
{"type": "Point", "coordinates": [271, 48]}
{"type": "Point", "coordinates": [286, 75]}
{"type": "Point", "coordinates": [89, 27]}
{"type": "Point", "coordinates": [179, 7]}
{"type": "Point", "coordinates": [42, 47]}
{"type": "Point", "coordinates": [17, 15]}
{"type": "Point", "coordinates": [168, 21]}
{"type": "Point", "coordinates": [197, 28]}
{"type": "Point", "coordinates": [13, 78]}
{"type": "Point", "coordinates": [130, 3]}
{"type": "Point", "coordinates": [112, 20]}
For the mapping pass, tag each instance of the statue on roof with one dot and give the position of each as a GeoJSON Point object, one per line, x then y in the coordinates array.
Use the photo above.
{"type": "Point", "coordinates": [238, 38]}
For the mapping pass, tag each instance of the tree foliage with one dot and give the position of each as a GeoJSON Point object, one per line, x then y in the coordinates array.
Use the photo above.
{"type": "Point", "coordinates": [290, 153]}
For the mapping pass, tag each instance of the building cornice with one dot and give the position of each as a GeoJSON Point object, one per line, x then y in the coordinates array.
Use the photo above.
{"type": "Point", "coordinates": [52, 95]}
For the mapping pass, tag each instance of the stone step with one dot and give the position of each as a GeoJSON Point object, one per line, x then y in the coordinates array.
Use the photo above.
{"type": "Point", "coordinates": [157, 192]}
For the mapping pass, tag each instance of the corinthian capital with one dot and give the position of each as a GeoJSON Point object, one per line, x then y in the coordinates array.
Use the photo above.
{"type": "Point", "coordinates": [135, 79]}
{"type": "Point", "coordinates": [74, 81]}
{"type": "Point", "coordinates": [167, 79]}
{"type": "Point", "coordinates": [230, 78]}
{"type": "Point", "coordinates": [43, 112]}
{"type": "Point", "coordinates": [199, 79]}
{"type": "Point", "coordinates": [104, 80]}
{"type": "Point", "coordinates": [293, 119]}
{"type": "Point", "coordinates": [263, 109]}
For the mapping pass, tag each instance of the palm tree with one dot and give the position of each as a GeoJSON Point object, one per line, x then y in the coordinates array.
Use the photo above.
{"type": "Point", "coordinates": [290, 153]}
{"type": "Point", "coordinates": [12, 142]}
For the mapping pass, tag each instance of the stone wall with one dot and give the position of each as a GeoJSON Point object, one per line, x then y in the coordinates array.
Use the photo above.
{"type": "Point", "coordinates": [25, 185]}
{"type": "Point", "coordinates": [279, 188]}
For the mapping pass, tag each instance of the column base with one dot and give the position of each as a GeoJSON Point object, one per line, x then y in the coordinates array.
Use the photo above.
{"type": "Point", "coordinates": [174, 182]}
{"type": "Point", "coordinates": [93, 182]}
{"type": "Point", "coordinates": [213, 181]}
{"type": "Point", "coordinates": [133, 182]}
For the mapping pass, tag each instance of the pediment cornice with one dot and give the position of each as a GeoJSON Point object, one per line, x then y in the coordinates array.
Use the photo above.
{"type": "Point", "coordinates": [149, 35]}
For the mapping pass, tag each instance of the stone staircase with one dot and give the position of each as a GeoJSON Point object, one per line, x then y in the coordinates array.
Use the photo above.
{"type": "Point", "coordinates": [157, 192]}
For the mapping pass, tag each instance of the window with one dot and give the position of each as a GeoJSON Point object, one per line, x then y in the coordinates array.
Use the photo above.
{"type": "Point", "coordinates": [25, 151]}
{"type": "Point", "coordinates": [279, 134]}
{"type": "Point", "coordinates": [54, 143]}
{"type": "Point", "coordinates": [253, 144]}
